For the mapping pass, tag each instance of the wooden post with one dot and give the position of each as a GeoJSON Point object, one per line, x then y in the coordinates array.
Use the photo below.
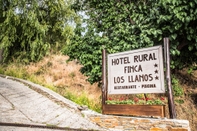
{"type": "Point", "coordinates": [168, 79]}
{"type": "Point", "coordinates": [104, 79]}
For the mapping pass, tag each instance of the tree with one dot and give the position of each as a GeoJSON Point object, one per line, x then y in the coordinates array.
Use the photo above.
{"type": "Point", "coordinates": [30, 28]}
{"type": "Point", "coordinates": [120, 25]}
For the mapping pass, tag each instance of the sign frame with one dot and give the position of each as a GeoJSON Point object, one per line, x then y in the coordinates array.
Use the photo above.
{"type": "Point", "coordinates": [125, 69]}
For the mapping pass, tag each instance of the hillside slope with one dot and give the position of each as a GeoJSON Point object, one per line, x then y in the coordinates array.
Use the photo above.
{"type": "Point", "coordinates": [188, 109]}
{"type": "Point", "coordinates": [64, 78]}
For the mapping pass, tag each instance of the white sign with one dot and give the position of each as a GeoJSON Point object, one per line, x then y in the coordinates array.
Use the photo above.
{"type": "Point", "coordinates": [137, 71]}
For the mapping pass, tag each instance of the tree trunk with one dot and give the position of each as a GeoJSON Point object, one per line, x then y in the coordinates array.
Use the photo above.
{"type": "Point", "coordinates": [1, 55]}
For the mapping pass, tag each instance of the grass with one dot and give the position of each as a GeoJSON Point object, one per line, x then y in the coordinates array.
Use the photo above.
{"type": "Point", "coordinates": [55, 73]}
{"type": "Point", "coordinates": [84, 100]}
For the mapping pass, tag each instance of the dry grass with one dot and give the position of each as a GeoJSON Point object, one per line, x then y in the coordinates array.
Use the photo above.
{"type": "Point", "coordinates": [59, 75]}
{"type": "Point", "coordinates": [57, 72]}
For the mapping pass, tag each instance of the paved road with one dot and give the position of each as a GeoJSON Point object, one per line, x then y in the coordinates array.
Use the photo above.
{"type": "Point", "coordinates": [33, 104]}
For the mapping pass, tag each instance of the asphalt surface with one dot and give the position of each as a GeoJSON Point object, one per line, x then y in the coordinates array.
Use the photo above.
{"type": "Point", "coordinates": [23, 102]}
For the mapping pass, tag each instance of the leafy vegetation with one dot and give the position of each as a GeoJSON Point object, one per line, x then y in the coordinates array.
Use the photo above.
{"type": "Point", "coordinates": [127, 25]}
{"type": "Point", "coordinates": [30, 28]}
{"type": "Point", "coordinates": [83, 100]}
{"type": "Point", "coordinates": [177, 89]}
{"type": "Point", "coordinates": [180, 101]}
{"type": "Point", "coordinates": [138, 101]}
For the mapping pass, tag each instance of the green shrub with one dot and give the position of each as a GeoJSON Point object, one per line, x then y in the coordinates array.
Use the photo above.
{"type": "Point", "coordinates": [177, 90]}
{"type": "Point", "coordinates": [83, 100]}
{"type": "Point", "coordinates": [179, 101]}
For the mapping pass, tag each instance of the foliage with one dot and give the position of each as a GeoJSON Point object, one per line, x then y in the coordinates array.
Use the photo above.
{"type": "Point", "coordinates": [179, 101]}
{"type": "Point", "coordinates": [30, 28]}
{"type": "Point", "coordinates": [137, 101]}
{"type": "Point", "coordinates": [89, 53]}
{"type": "Point", "coordinates": [191, 69]}
{"type": "Point", "coordinates": [177, 90]}
{"type": "Point", "coordinates": [126, 25]}
{"type": "Point", "coordinates": [83, 100]}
